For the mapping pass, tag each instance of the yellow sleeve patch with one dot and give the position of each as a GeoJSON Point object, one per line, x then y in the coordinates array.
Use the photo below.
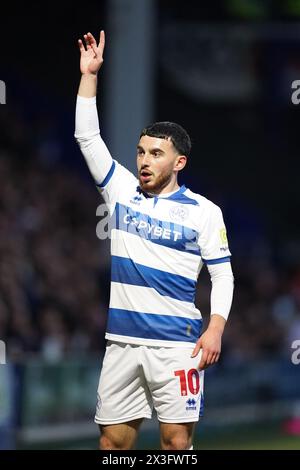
{"type": "Point", "coordinates": [223, 236]}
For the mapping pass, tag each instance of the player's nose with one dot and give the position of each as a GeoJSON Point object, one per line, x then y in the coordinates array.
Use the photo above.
{"type": "Point", "coordinates": [145, 160]}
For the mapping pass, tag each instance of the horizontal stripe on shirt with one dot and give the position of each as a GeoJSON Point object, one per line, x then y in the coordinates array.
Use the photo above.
{"type": "Point", "coordinates": [160, 257]}
{"type": "Point", "coordinates": [129, 297]}
{"type": "Point", "coordinates": [159, 327]}
{"type": "Point", "coordinates": [125, 271]}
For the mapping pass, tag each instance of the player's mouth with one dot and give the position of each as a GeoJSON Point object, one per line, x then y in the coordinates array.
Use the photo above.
{"type": "Point", "coordinates": [145, 176]}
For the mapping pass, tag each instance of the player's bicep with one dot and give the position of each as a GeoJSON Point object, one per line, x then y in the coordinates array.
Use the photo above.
{"type": "Point", "coordinates": [97, 157]}
{"type": "Point", "coordinates": [87, 134]}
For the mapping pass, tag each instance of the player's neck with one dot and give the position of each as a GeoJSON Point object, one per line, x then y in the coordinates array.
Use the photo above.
{"type": "Point", "coordinates": [167, 191]}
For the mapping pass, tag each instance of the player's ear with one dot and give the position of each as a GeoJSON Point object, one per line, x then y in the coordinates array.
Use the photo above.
{"type": "Point", "coordinates": [180, 162]}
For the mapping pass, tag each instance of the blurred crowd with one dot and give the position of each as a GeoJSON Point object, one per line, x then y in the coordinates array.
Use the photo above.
{"type": "Point", "coordinates": [54, 271]}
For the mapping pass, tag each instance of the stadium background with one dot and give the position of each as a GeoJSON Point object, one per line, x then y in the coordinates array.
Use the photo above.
{"type": "Point", "coordinates": [224, 71]}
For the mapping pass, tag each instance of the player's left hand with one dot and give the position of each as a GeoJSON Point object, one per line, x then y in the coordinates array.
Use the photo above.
{"type": "Point", "coordinates": [91, 58]}
{"type": "Point", "coordinates": [210, 343]}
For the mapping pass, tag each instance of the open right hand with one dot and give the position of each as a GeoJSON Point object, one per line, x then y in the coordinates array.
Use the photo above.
{"type": "Point", "coordinates": [91, 57]}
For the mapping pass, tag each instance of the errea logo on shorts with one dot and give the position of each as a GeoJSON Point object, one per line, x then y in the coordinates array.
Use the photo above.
{"type": "Point", "coordinates": [191, 404]}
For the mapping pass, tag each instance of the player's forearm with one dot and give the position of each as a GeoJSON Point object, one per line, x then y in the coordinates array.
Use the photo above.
{"type": "Point", "coordinates": [87, 134]}
{"type": "Point", "coordinates": [221, 292]}
{"type": "Point", "coordinates": [88, 85]}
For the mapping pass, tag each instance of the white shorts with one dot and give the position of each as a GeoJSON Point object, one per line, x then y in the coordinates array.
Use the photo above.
{"type": "Point", "coordinates": [135, 378]}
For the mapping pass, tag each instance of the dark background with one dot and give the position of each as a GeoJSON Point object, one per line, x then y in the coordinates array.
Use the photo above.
{"type": "Point", "coordinates": [254, 144]}
{"type": "Point", "coordinates": [245, 151]}
{"type": "Point", "coordinates": [54, 272]}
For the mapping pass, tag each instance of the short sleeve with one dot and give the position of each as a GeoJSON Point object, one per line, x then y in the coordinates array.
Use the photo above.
{"type": "Point", "coordinates": [118, 181]}
{"type": "Point", "coordinates": [212, 239]}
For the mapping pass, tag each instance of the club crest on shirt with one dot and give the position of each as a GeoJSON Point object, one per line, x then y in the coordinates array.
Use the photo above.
{"type": "Point", "coordinates": [179, 213]}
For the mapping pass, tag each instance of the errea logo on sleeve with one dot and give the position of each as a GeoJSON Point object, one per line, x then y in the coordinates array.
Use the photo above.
{"type": "Point", "coordinates": [2, 92]}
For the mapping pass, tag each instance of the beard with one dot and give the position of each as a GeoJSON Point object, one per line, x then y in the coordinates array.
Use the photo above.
{"type": "Point", "coordinates": [156, 184]}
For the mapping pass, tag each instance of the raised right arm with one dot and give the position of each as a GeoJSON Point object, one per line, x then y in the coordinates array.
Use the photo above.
{"type": "Point", "coordinates": [87, 131]}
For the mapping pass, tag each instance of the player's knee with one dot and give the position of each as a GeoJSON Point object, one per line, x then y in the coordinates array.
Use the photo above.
{"type": "Point", "coordinates": [105, 443]}
{"type": "Point", "coordinates": [113, 442]}
{"type": "Point", "coordinates": [110, 443]}
{"type": "Point", "coordinates": [176, 443]}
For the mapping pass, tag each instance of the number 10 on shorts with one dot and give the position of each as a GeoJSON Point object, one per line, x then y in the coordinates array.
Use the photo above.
{"type": "Point", "coordinates": [190, 381]}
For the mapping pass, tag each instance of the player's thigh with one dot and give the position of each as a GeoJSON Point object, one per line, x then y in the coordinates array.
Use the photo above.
{"type": "Point", "coordinates": [176, 436]}
{"type": "Point", "coordinates": [176, 384]}
{"type": "Point", "coordinates": [119, 436]}
{"type": "Point", "coordinates": [122, 392]}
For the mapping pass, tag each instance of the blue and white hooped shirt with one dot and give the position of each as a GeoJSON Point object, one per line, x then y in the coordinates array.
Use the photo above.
{"type": "Point", "coordinates": [158, 247]}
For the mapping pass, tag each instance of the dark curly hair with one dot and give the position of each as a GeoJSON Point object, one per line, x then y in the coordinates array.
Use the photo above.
{"type": "Point", "coordinates": [170, 130]}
